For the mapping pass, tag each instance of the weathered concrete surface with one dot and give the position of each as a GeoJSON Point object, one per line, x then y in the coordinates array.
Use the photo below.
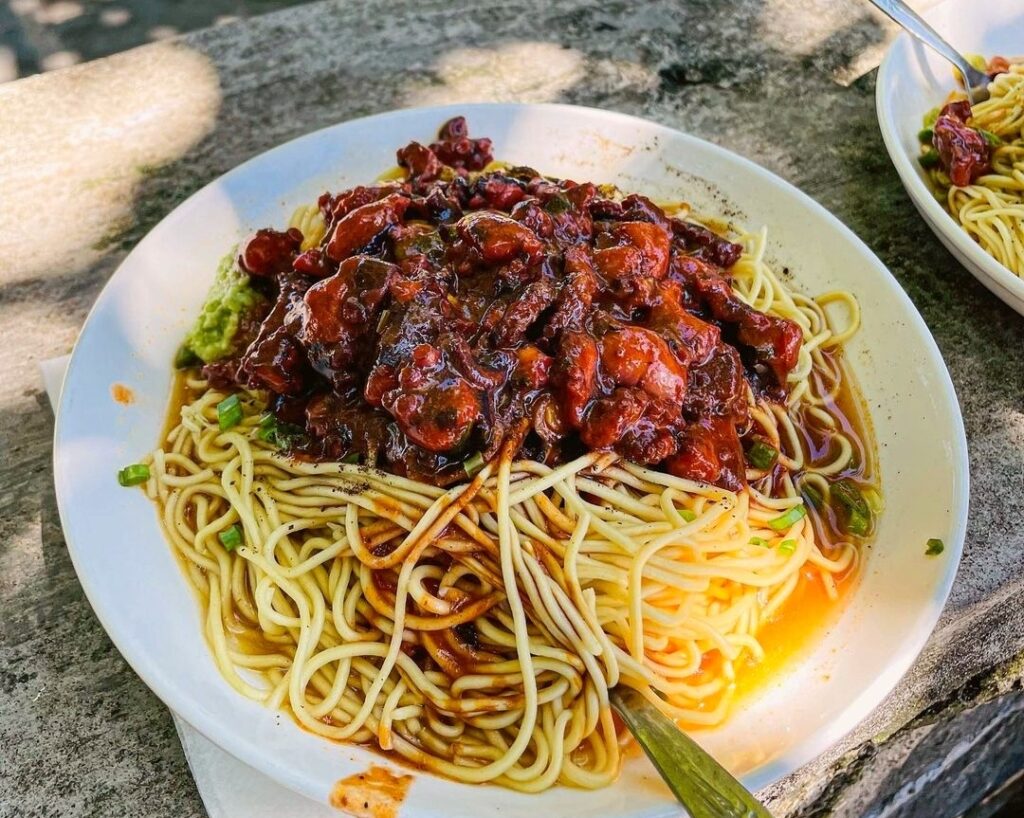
{"type": "Point", "coordinates": [45, 35]}
{"type": "Point", "coordinates": [84, 173]}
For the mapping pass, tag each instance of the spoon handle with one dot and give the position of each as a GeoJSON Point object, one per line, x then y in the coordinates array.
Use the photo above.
{"type": "Point", "coordinates": [901, 13]}
{"type": "Point", "coordinates": [702, 785]}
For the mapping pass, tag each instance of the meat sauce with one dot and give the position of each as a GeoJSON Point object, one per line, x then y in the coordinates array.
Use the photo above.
{"type": "Point", "coordinates": [447, 312]}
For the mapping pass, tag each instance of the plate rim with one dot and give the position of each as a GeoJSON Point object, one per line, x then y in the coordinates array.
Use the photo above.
{"type": "Point", "coordinates": [859, 707]}
{"type": "Point", "coordinates": [938, 219]}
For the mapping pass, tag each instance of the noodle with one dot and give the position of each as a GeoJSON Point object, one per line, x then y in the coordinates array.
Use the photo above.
{"type": "Point", "coordinates": [532, 590]}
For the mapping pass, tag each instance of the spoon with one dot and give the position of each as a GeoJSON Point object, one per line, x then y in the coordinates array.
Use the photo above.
{"type": "Point", "coordinates": [702, 785]}
{"type": "Point", "coordinates": [975, 81]}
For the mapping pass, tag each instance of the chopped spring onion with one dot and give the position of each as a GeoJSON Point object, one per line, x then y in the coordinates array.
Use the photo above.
{"type": "Point", "coordinates": [929, 159]}
{"type": "Point", "coordinates": [812, 496]}
{"type": "Point", "coordinates": [992, 139]}
{"type": "Point", "coordinates": [856, 513]}
{"type": "Point", "coordinates": [276, 433]}
{"type": "Point", "coordinates": [686, 514]}
{"type": "Point", "coordinates": [133, 475]}
{"type": "Point", "coordinates": [925, 135]}
{"type": "Point", "coordinates": [351, 458]}
{"type": "Point", "coordinates": [231, 538]}
{"type": "Point", "coordinates": [787, 546]}
{"type": "Point", "coordinates": [935, 547]}
{"type": "Point", "coordinates": [758, 541]}
{"type": "Point", "coordinates": [874, 500]}
{"type": "Point", "coordinates": [796, 513]}
{"type": "Point", "coordinates": [229, 412]}
{"type": "Point", "coordinates": [473, 464]}
{"type": "Point", "coordinates": [268, 428]}
{"type": "Point", "coordinates": [762, 455]}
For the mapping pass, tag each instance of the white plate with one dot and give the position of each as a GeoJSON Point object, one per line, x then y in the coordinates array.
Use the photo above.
{"type": "Point", "coordinates": [136, 587]}
{"type": "Point", "coordinates": [913, 79]}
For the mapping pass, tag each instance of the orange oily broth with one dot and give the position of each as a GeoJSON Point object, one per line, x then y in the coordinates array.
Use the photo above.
{"type": "Point", "coordinates": [786, 638]}
{"type": "Point", "coordinates": [791, 633]}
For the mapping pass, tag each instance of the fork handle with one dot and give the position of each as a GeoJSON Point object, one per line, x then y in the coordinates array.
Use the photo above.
{"type": "Point", "coordinates": [916, 26]}
{"type": "Point", "coordinates": [702, 785]}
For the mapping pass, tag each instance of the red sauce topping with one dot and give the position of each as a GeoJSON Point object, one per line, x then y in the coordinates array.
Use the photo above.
{"type": "Point", "coordinates": [445, 313]}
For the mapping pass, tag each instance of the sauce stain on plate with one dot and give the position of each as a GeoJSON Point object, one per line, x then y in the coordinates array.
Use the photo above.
{"type": "Point", "coordinates": [122, 394]}
{"type": "Point", "coordinates": [377, 793]}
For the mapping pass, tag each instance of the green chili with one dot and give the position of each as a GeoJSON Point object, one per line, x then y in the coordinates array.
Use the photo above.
{"type": "Point", "coordinates": [686, 514]}
{"type": "Point", "coordinates": [992, 139]}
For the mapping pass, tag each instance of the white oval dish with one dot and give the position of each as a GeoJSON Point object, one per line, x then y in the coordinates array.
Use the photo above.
{"type": "Point", "coordinates": [914, 79]}
{"type": "Point", "coordinates": [136, 587]}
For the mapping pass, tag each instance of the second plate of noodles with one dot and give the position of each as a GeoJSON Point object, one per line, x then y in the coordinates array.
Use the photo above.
{"type": "Point", "coordinates": [969, 195]}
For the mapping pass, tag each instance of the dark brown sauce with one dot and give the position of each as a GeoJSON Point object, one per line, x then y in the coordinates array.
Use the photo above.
{"type": "Point", "coordinates": [181, 395]}
{"type": "Point", "coordinates": [850, 412]}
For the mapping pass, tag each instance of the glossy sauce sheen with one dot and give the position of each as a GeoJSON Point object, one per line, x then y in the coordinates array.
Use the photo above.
{"type": "Point", "coordinates": [448, 313]}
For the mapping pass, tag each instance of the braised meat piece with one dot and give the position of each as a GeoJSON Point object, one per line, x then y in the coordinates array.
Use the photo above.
{"type": "Point", "coordinates": [710, 451]}
{"type": "Point", "coordinates": [963, 151]}
{"type": "Point", "coordinates": [340, 314]}
{"type": "Point", "coordinates": [357, 228]}
{"type": "Point", "coordinates": [276, 360]}
{"type": "Point", "coordinates": [455, 148]}
{"type": "Point", "coordinates": [266, 253]}
{"type": "Point", "coordinates": [773, 342]}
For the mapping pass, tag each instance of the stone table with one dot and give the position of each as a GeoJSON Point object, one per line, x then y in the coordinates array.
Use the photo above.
{"type": "Point", "coordinates": [93, 157]}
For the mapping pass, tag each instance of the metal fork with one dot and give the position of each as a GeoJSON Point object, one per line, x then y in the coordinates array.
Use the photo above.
{"type": "Point", "coordinates": [975, 81]}
{"type": "Point", "coordinates": [702, 785]}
